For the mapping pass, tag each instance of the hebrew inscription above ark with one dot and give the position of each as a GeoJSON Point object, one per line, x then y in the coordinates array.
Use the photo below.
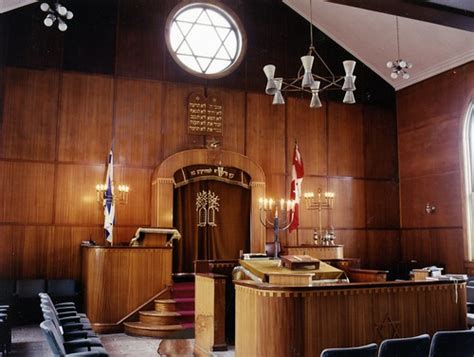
{"type": "Point", "coordinates": [205, 115]}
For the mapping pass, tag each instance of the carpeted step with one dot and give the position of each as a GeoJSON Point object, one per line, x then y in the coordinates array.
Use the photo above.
{"type": "Point", "coordinates": [184, 285]}
{"type": "Point", "coordinates": [182, 290]}
{"type": "Point", "coordinates": [178, 304]}
{"type": "Point", "coordinates": [166, 318]}
{"type": "Point", "coordinates": [142, 329]}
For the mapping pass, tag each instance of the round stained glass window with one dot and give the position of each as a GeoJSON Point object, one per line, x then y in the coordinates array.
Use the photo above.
{"type": "Point", "coordinates": [205, 38]}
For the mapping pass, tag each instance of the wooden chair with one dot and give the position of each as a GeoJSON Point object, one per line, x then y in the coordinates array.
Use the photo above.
{"type": "Point", "coordinates": [369, 350]}
{"type": "Point", "coordinates": [452, 344]}
{"type": "Point", "coordinates": [417, 346]}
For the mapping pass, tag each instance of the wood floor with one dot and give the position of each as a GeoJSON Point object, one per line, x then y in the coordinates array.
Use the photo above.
{"type": "Point", "coordinates": [28, 341]}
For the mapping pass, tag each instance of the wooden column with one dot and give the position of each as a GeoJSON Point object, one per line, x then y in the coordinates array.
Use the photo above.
{"type": "Point", "coordinates": [162, 207]}
{"type": "Point", "coordinates": [210, 314]}
{"type": "Point", "coordinates": [257, 230]}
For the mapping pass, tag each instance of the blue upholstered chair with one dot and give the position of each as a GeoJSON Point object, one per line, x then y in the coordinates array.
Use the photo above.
{"type": "Point", "coordinates": [5, 334]}
{"type": "Point", "coordinates": [62, 289]}
{"type": "Point", "coordinates": [57, 347]}
{"type": "Point", "coordinates": [452, 344]}
{"type": "Point", "coordinates": [361, 351]}
{"type": "Point", "coordinates": [30, 288]}
{"type": "Point", "coordinates": [470, 305]}
{"type": "Point", "coordinates": [26, 307]}
{"type": "Point", "coordinates": [7, 291]}
{"type": "Point", "coordinates": [418, 346]}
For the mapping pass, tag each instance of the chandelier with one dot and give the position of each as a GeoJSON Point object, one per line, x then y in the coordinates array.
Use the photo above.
{"type": "Point", "coordinates": [399, 67]}
{"type": "Point", "coordinates": [308, 82]}
{"type": "Point", "coordinates": [58, 13]}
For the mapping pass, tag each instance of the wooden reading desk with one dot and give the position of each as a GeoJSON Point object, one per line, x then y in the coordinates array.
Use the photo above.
{"type": "Point", "coordinates": [277, 320]}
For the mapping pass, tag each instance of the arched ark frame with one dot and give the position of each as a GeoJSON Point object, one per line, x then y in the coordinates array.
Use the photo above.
{"type": "Point", "coordinates": [163, 185]}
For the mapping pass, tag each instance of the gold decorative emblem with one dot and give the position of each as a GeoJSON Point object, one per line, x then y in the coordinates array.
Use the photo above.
{"type": "Point", "coordinates": [207, 204]}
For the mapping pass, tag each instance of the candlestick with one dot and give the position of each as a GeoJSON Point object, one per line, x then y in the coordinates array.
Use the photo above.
{"type": "Point", "coordinates": [277, 223]}
{"type": "Point", "coordinates": [321, 204]}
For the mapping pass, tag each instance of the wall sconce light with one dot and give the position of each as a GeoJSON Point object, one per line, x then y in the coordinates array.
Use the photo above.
{"type": "Point", "coordinates": [57, 12]}
{"type": "Point", "coordinates": [429, 208]}
{"type": "Point", "coordinates": [121, 197]}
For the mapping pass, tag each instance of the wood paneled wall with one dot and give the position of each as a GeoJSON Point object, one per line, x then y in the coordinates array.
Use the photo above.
{"type": "Point", "coordinates": [430, 119]}
{"type": "Point", "coordinates": [56, 132]}
{"type": "Point", "coordinates": [109, 78]}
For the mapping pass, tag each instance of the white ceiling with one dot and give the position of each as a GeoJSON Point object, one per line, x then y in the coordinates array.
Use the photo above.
{"type": "Point", "coordinates": [7, 5]}
{"type": "Point", "coordinates": [372, 38]}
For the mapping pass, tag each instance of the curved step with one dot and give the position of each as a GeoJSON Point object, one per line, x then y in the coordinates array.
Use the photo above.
{"type": "Point", "coordinates": [166, 318]}
{"type": "Point", "coordinates": [178, 304]}
{"type": "Point", "coordinates": [141, 329]}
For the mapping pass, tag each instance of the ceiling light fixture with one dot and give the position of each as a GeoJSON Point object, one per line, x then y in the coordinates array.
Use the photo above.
{"type": "Point", "coordinates": [57, 12]}
{"type": "Point", "coordinates": [399, 67]}
{"type": "Point", "coordinates": [311, 83]}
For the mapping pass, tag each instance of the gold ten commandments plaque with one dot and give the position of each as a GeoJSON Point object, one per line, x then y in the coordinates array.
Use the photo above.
{"type": "Point", "coordinates": [205, 115]}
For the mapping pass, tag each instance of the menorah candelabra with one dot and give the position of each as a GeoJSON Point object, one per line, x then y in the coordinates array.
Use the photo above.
{"type": "Point", "coordinates": [320, 204]}
{"type": "Point", "coordinates": [280, 221]}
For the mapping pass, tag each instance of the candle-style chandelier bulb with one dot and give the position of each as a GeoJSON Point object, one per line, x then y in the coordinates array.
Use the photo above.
{"type": "Point", "coordinates": [62, 25]}
{"type": "Point", "coordinates": [278, 97]}
{"type": "Point", "coordinates": [315, 101]}
{"type": "Point", "coordinates": [307, 62]}
{"type": "Point", "coordinates": [49, 20]}
{"type": "Point", "coordinates": [269, 71]}
{"type": "Point", "coordinates": [44, 6]}
{"type": "Point", "coordinates": [61, 10]}
{"type": "Point", "coordinates": [56, 12]}
{"type": "Point", "coordinates": [349, 98]}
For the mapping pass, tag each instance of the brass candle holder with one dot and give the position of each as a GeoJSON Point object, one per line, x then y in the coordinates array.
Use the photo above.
{"type": "Point", "coordinates": [320, 202]}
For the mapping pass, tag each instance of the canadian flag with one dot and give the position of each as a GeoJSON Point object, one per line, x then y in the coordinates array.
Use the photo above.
{"type": "Point", "coordinates": [297, 174]}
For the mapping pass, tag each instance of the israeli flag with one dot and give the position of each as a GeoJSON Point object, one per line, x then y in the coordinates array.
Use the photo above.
{"type": "Point", "coordinates": [109, 207]}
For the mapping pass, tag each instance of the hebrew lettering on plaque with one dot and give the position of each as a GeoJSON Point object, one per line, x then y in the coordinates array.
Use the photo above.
{"type": "Point", "coordinates": [205, 115]}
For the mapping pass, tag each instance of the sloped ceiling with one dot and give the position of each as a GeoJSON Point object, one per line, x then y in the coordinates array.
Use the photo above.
{"type": "Point", "coordinates": [372, 38]}
{"type": "Point", "coordinates": [7, 5]}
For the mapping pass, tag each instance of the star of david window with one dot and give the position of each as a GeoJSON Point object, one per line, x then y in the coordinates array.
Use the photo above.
{"type": "Point", "coordinates": [205, 38]}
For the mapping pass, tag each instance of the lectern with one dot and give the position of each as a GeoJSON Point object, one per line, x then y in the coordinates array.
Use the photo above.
{"type": "Point", "coordinates": [117, 281]}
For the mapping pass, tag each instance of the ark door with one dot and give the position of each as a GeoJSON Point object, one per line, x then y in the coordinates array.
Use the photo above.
{"type": "Point", "coordinates": [214, 220]}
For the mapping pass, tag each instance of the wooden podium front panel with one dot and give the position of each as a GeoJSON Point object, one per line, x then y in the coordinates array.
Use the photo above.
{"type": "Point", "coordinates": [302, 321]}
{"type": "Point", "coordinates": [210, 314]}
{"type": "Point", "coordinates": [317, 251]}
{"type": "Point", "coordinates": [117, 280]}
{"type": "Point", "coordinates": [155, 239]}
